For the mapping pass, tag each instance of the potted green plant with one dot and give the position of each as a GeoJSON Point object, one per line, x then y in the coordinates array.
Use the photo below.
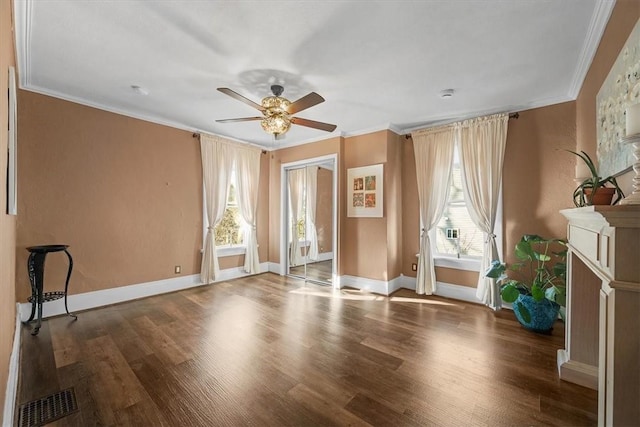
{"type": "Point", "coordinates": [536, 284]}
{"type": "Point", "coordinates": [594, 190]}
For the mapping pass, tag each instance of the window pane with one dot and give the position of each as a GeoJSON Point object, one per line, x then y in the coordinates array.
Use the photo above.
{"type": "Point", "coordinates": [229, 229]}
{"type": "Point", "coordinates": [456, 234]}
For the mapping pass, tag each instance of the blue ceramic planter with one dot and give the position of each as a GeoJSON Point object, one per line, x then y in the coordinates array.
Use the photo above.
{"type": "Point", "coordinates": [542, 314]}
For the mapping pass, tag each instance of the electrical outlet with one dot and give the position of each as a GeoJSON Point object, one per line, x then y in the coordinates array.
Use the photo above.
{"type": "Point", "coordinates": [414, 267]}
{"type": "Point", "coordinates": [178, 269]}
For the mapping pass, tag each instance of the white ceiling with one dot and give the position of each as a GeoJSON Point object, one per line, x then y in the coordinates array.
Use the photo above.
{"type": "Point", "coordinates": [378, 64]}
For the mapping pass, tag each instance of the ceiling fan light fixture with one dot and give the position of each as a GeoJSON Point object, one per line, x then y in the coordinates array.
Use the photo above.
{"type": "Point", "coordinates": [276, 124]}
{"type": "Point", "coordinates": [275, 105]}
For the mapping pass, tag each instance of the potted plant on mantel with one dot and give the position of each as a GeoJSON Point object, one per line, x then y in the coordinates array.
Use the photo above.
{"type": "Point", "coordinates": [536, 284]}
{"type": "Point", "coordinates": [594, 190]}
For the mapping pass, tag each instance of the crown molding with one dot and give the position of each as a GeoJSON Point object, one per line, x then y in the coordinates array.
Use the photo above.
{"type": "Point", "coordinates": [598, 23]}
{"type": "Point", "coordinates": [22, 13]}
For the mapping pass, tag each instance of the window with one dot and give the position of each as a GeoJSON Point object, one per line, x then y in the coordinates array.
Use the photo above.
{"type": "Point", "coordinates": [456, 241]}
{"type": "Point", "coordinates": [229, 231]}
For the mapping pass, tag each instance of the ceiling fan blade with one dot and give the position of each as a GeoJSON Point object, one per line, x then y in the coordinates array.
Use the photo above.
{"type": "Point", "coordinates": [241, 98]}
{"type": "Point", "coordinates": [313, 124]}
{"type": "Point", "coordinates": [243, 119]}
{"type": "Point", "coordinates": [305, 102]}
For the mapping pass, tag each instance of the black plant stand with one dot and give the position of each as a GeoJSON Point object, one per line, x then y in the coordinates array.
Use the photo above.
{"type": "Point", "coordinates": [36, 277]}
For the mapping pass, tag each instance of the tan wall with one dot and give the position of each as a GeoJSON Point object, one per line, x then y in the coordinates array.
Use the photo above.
{"type": "Point", "coordinates": [537, 175]}
{"type": "Point", "coordinates": [364, 240]}
{"type": "Point", "coordinates": [324, 210]}
{"type": "Point", "coordinates": [7, 222]}
{"type": "Point", "coordinates": [393, 200]}
{"type": "Point", "coordinates": [372, 247]}
{"type": "Point", "coordinates": [410, 209]}
{"type": "Point", "coordinates": [125, 194]}
{"type": "Point", "coordinates": [623, 18]}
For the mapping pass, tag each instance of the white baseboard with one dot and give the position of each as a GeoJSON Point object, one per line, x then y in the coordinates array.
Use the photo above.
{"type": "Point", "coordinates": [324, 256]}
{"type": "Point", "coordinates": [276, 268]}
{"type": "Point", "coordinates": [88, 300]}
{"type": "Point", "coordinates": [237, 272]}
{"type": "Point", "coordinates": [384, 287]}
{"type": "Point", "coordinates": [447, 290]}
{"type": "Point", "coordinates": [12, 380]}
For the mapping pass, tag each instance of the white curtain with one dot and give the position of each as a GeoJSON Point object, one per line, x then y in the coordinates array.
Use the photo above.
{"type": "Point", "coordinates": [296, 192]}
{"type": "Point", "coordinates": [433, 150]}
{"type": "Point", "coordinates": [247, 162]}
{"type": "Point", "coordinates": [216, 171]}
{"type": "Point", "coordinates": [312, 191]}
{"type": "Point", "coordinates": [482, 145]}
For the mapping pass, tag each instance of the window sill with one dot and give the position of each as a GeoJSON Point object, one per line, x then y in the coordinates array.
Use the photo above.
{"type": "Point", "coordinates": [457, 263]}
{"type": "Point", "coordinates": [223, 251]}
{"type": "Point", "coordinates": [467, 264]}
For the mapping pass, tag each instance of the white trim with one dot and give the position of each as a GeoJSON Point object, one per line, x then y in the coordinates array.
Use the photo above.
{"type": "Point", "coordinates": [22, 12]}
{"type": "Point", "coordinates": [88, 300]}
{"type": "Point", "coordinates": [324, 256]}
{"type": "Point", "coordinates": [599, 20]}
{"type": "Point", "coordinates": [447, 290]}
{"type": "Point", "coordinates": [468, 264]}
{"type": "Point", "coordinates": [223, 251]}
{"type": "Point", "coordinates": [236, 272]}
{"type": "Point", "coordinates": [283, 143]}
{"type": "Point", "coordinates": [276, 268]}
{"type": "Point", "coordinates": [284, 208]}
{"type": "Point", "coordinates": [383, 287]}
{"type": "Point", "coordinates": [388, 126]}
{"type": "Point", "coordinates": [12, 379]}
{"type": "Point", "coordinates": [462, 293]}
{"type": "Point", "coordinates": [363, 283]}
{"type": "Point", "coordinates": [395, 284]}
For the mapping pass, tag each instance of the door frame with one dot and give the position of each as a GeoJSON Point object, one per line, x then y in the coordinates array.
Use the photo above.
{"type": "Point", "coordinates": [284, 210]}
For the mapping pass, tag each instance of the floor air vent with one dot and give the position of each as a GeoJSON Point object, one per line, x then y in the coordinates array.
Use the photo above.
{"type": "Point", "coordinates": [47, 409]}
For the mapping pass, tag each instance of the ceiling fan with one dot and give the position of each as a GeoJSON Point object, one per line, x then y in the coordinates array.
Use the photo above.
{"type": "Point", "coordinates": [277, 111]}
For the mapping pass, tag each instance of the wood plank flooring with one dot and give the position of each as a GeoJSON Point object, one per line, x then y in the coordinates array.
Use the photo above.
{"type": "Point", "coordinates": [274, 351]}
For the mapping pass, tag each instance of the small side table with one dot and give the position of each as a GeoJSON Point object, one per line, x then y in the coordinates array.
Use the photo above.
{"type": "Point", "coordinates": [35, 266]}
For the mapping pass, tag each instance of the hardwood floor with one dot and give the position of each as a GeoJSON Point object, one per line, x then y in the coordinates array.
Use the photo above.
{"type": "Point", "coordinates": [271, 350]}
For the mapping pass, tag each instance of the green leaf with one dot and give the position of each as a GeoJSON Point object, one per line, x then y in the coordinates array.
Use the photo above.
{"type": "Point", "coordinates": [537, 293]}
{"type": "Point", "coordinates": [560, 269]}
{"type": "Point", "coordinates": [524, 250]}
{"type": "Point", "coordinates": [526, 316]}
{"type": "Point", "coordinates": [495, 270]}
{"type": "Point", "coordinates": [542, 257]}
{"type": "Point", "coordinates": [509, 292]}
{"type": "Point", "coordinates": [558, 294]}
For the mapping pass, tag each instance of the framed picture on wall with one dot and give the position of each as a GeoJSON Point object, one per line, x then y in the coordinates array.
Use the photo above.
{"type": "Point", "coordinates": [619, 91]}
{"type": "Point", "coordinates": [12, 164]}
{"type": "Point", "coordinates": [364, 191]}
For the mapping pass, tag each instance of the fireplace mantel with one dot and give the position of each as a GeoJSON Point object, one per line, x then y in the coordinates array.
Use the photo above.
{"type": "Point", "coordinates": [602, 340]}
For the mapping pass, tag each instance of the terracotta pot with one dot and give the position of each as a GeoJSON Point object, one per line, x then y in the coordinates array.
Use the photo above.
{"type": "Point", "coordinates": [602, 196]}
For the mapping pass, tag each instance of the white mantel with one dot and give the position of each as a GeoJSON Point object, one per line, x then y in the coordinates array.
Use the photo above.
{"type": "Point", "coordinates": [603, 309]}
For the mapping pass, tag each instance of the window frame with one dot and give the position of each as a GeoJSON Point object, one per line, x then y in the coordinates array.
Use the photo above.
{"type": "Point", "coordinates": [465, 262]}
{"type": "Point", "coordinates": [222, 250]}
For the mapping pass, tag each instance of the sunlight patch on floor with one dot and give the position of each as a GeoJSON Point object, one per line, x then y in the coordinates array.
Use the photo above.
{"type": "Point", "coordinates": [346, 294]}
{"type": "Point", "coordinates": [422, 301]}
